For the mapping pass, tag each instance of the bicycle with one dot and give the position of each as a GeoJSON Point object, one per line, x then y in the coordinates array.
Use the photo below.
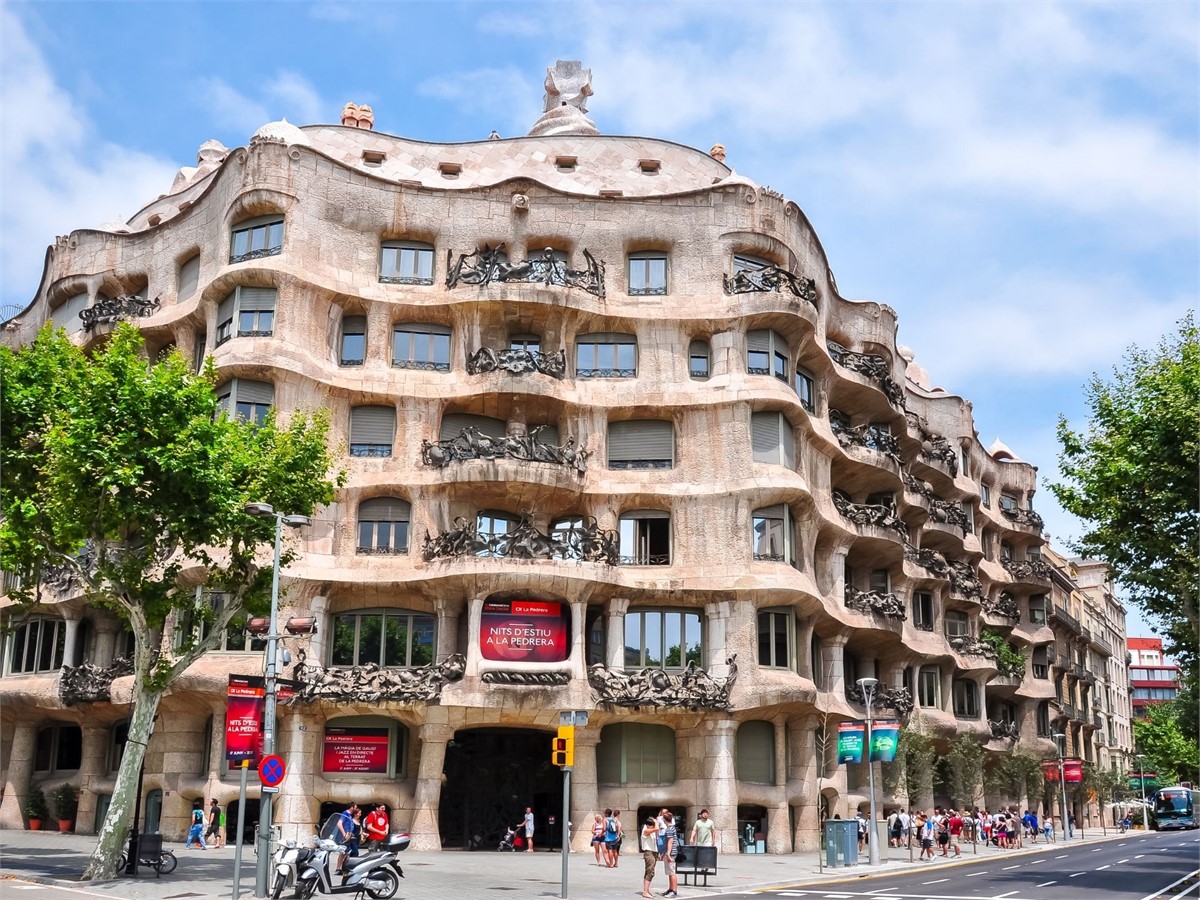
{"type": "Point", "coordinates": [163, 864]}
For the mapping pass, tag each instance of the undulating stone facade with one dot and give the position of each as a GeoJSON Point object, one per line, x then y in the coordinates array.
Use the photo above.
{"type": "Point", "coordinates": [615, 443]}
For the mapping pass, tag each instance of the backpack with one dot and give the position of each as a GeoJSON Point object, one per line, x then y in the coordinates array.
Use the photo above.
{"type": "Point", "coordinates": [197, 817]}
{"type": "Point", "coordinates": [610, 829]}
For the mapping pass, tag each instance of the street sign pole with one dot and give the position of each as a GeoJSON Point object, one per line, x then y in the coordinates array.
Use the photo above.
{"type": "Point", "coordinates": [241, 827]}
{"type": "Point", "coordinates": [566, 826]}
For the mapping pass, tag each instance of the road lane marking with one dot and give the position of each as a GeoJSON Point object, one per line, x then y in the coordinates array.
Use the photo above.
{"type": "Point", "coordinates": [1162, 891]}
{"type": "Point", "coordinates": [1064, 856]}
{"type": "Point", "coordinates": [935, 881]}
{"type": "Point", "coordinates": [1047, 883]}
{"type": "Point", "coordinates": [1119, 861]}
{"type": "Point", "coordinates": [837, 896]}
{"type": "Point", "coordinates": [1077, 874]}
{"type": "Point", "coordinates": [1102, 868]}
{"type": "Point", "coordinates": [1097, 850]}
{"type": "Point", "coordinates": [973, 874]}
{"type": "Point", "coordinates": [1002, 896]}
{"type": "Point", "coordinates": [1034, 862]}
{"type": "Point", "coordinates": [1139, 856]}
{"type": "Point", "coordinates": [1006, 868]}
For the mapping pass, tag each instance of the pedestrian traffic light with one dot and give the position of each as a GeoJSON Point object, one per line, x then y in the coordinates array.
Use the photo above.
{"type": "Point", "coordinates": [563, 747]}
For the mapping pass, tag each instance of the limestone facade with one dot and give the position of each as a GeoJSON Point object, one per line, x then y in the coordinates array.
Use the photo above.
{"type": "Point", "coordinates": [789, 504]}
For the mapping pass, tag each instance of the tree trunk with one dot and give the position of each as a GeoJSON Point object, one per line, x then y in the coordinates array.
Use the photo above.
{"type": "Point", "coordinates": [114, 833]}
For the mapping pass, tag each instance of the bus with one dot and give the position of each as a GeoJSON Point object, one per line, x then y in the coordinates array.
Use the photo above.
{"type": "Point", "coordinates": [1176, 807]}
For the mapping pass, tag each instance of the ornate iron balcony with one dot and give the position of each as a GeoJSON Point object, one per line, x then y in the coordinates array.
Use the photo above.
{"type": "Point", "coordinates": [370, 449]}
{"type": "Point", "coordinates": [490, 265]}
{"type": "Point", "coordinates": [421, 365]}
{"type": "Point", "coordinates": [606, 373]}
{"type": "Point", "coordinates": [256, 254]}
{"type": "Point", "coordinates": [372, 683]}
{"type": "Point", "coordinates": [964, 581]}
{"type": "Point", "coordinates": [770, 279]}
{"type": "Point", "coordinates": [693, 688]}
{"type": "Point", "coordinates": [1025, 568]}
{"type": "Point", "coordinates": [931, 561]}
{"type": "Point", "coordinates": [870, 365]}
{"type": "Point", "coordinates": [404, 279]}
{"type": "Point", "coordinates": [88, 683]}
{"type": "Point", "coordinates": [585, 543]}
{"type": "Point", "coordinates": [877, 514]}
{"type": "Point", "coordinates": [934, 447]}
{"type": "Point", "coordinates": [898, 699]}
{"type": "Point", "coordinates": [517, 362]}
{"type": "Point", "coordinates": [1004, 606]}
{"type": "Point", "coordinates": [1004, 730]}
{"type": "Point", "coordinates": [887, 605]}
{"type": "Point", "coordinates": [865, 435]}
{"type": "Point", "coordinates": [968, 645]}
{"type": "Point", "coordinates": [106, 311]}
{"type": "Point", "coordinates": [471, 443]}
{"type": "Point", "coordinates": [381, 551]}
{"type": "Point", "coordinates": [1023, 517]}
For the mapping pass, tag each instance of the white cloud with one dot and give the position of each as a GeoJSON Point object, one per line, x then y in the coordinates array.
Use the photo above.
{"type": "Point", "coordinates": [506, 99]}
{"type": "Point", "coordinates": [286, 96]}
{"type": "Point", "coordinates": [57, 174]}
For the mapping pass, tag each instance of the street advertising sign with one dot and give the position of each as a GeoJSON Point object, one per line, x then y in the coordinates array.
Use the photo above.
{"type": "Point", "coordinates": [525, 631]}
{"type": "Point", "coordinates": [1073, 770]}
{"type": "Point", "coordinates": [356, 749]}
{"type": "Point", "coordinates": [885, 735]}
{"type": "Point", "coordinates": [244, 703]}
{"type": "Point", "coordinates": [850, 742]}
{"type": "Point", "coordinates": [1050, 770]}
{"type": "Point", "coordinates": [1135, 780]}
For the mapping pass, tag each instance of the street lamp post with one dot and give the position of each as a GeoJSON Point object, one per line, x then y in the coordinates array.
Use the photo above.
{"type": "Point", "coordinates": [1060, 740]}
{"type": "Point", "coordinates": [1142, 781]}
{"type": "Point", "coordinates": [265, 510]}
{"type": "Point", "coordinates": [868, 689]}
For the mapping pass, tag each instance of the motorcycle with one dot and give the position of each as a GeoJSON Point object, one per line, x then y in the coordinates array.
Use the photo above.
{"type": "Point", "coordinates": [286, 866]}
{"type": "Point", "coordinates": [377, 874]}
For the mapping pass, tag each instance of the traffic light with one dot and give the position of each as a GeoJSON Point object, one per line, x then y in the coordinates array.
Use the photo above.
{"type": "Point", "coordinates": [563, 747]}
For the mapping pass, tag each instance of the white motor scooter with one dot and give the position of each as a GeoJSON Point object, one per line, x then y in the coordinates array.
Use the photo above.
{"type": "Point", "coordinates": [377, 874]}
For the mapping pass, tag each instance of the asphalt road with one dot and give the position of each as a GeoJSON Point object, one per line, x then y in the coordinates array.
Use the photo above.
{"type": "Point", "coordinates": [1141, 867]}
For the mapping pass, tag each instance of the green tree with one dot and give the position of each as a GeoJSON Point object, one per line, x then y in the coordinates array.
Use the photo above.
{"type": "Point", "coordinates": [963, 767]}
{"type": "Point", "coordinates": [125, 480]}
{"type": "Point", "coordinates": [1133, 478]}
{"type": "Point", "coordinates": [1168, 753]}
{"type": "Point", "coordinates": [911, 773]}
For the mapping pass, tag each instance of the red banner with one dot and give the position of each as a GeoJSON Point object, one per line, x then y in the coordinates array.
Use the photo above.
{"type": "Point", "coordinates": [244, 719]}
{"type": "Point", "coordinates": [1050, 770]}
{"type": "Point", "coordinates": [1073, 770]}
{"type": "Point", "coordinates": [349, 749]}
{"type": "Point", "coordinates": [525, 631]}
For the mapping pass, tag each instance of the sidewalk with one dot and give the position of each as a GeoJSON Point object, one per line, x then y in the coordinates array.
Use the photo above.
{"type": "Point", "coordinates": [49, 857]}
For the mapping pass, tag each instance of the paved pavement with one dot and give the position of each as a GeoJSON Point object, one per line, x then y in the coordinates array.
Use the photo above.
{"type": "Point", "coordinates": [46, 866]}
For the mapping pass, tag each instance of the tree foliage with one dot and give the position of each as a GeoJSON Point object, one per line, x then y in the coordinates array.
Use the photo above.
{"type": "Point", "coordinates": [963, 771]}
{"type": "Point", "coordinates": [911, 773]}
{"type": "Point", "coordinates": [124, 480]}
{"type": "Point", "coordinates": [1132, 476]}
{"type": "Point", "coordinates": [1168, 753]}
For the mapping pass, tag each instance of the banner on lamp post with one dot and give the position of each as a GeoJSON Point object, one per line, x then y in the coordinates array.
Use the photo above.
{"type": "Point", "coordinates": [1136, 778]}
{"type": "Point", "coordinates": [1050, 770]}
{"type": "Point", "coordinates": [244, 704]}
{"type": "Point", "coordinates": [850, 742]}
{"type": "Point", "coordinates": [885, 736]}
{"type": "Point", "coordinates": [1073, 771]}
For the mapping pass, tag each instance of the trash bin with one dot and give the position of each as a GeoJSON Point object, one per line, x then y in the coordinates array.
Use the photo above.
{"type": "Point", "coordinates": [841, 842]}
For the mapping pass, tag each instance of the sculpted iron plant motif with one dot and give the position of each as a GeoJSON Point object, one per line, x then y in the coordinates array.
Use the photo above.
{"type": "Point", "coordinates": [693, 688]}
{"type": "Point", "coordinates": [1004, 730]}
{"type": "Point", "coordinates": [964, 581]}
{"type": "Point", "coordinates": [877, 514]}
{"type": "Point", "coordinates": [887, 605]}
{"type": "Point", "coordinates": [532, 679]}
{"type": "Point", "coordinates": [1005, 606]}
{"type": "Point", "coordinates": [867, 435]}
{"type": "Point", "coordinates": [583, 543]}
{"type": "Point", "coordinates": [517, 362]}
{"type": "Point", "coordinates": [770, 279]}
{"type": "Point", "coordinates": [968, 645]}
{"type": "Point", "coordinates": [934, 447]}
{"type": "Point", "coordinates": [898, 699]}
{"type": "Point", "coordinates": [871, 365]}
{"type": "Point", "coordinates": [949, 512]}
{"type": "Point", "coordinates": [373, 683]}
{"type": "Point", "coordinates": [489, 265]}
{"type": "Point", "coordinates": [473, 444]}
{"type": "Point", "coordinates": [105, 311]}
{"type": "Point", "coordinates": [88, 683]}
{"type": "Point", "coordinates": [929, 560]}
{"type": "Point", "coordinates": [1026, 568]}
{"type": "Point", "coordinates": [1023, 517]}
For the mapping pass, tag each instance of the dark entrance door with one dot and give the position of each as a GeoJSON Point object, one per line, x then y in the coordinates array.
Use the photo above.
{"type": "Point", "coordinates": [491, 775]}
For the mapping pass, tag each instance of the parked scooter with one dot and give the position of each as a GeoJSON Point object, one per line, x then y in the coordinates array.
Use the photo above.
{"type": "Point", "coordinates": [377, 874]}
{"type": "Point", "coordinates": [287, 862]}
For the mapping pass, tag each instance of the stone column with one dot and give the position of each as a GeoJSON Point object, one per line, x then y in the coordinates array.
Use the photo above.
{"type": "Point", "coordinates": [948, 690]}
{"type": "Point", "coordinates": [424, 828]}
{"type": "Point", "coordinates": [72, 635]}
{"type": "Point", "coordinates": [716, 616]}
{"type": "Point", "coordinates": [804, 661]}
{"type": "Point", "coordinates": [833, 663]}
{"type": "Point", "coordinates": [20, 770]}
{"type": "Point", "coordinates": [585, 788]}
{"type": "Point", "coordinates": [106, 643]}
{"type": "Point", "coordinates": [722, 780]}
{"type": "Point", "coordinates": [779, 825]}
{"type": "Point", "coordinates": [92, 768]}
{"type": "Point", "coordinates": [804, 778]}
{"type": "Point", "coordinates": [614, 644]}
{"type": "Point", "coordinates": [473, 652]}
{"type": "Point", "coordinates": [447, 630]}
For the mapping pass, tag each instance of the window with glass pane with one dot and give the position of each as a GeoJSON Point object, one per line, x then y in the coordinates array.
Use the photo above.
{"type": "Point", "coordinates": [805, 390]}
{"type": "Point", "coordinates": [645, 538]}
{"type": "Point", "coordinates": [699, 362]}
{"type": "Point", "coordinates": [529, 343]}
{"type": "Point", "coordinates": [966, 698]}
{"type": "Point", "coordinates": [383, 525]}
{"type": "Point", "coordinates": [985, 495]}
{"type": "Point", "coordinates": [755, 752]}
{"type": "Point", "coordinates": [775, 634]}
{"type": "Point", "coordinates": [372, 430]}
{"type": "Point", "coordinates": [491, 528]}
{"type": "Point", "coordinates": [36, 646]}
{"type": "Point", "coordinates": [421, 347]}
{"type": "Point", "coordinates": [880, 581]}
{"type": "Point", "coordinates": [249, 401]}
{"type": "Point", "coordinates": [774, 539]}
{"type": "Point", "coordinates": [957, 623]}
{"type": "Point", "coordinates": [256, 238]}
{"type": "Point", "coordinates": [567, 532]}
{"type": "Point", "coordinates": [752, 265]}
{"type": "Point", "coordinates": [59, 748]}
{"type": "Point", "coordinates": [1008, 502]}
{"type": "Point", "coordinates": [929, 687]}
{"type": "Point", "coordinates": [406, 262]}
{"type": "Point", "coordinates": [1006, 550]}
{"type": "Point", "coordinates": [633, 753]}
{"type": "Point", "coordinates": [667, 639]}
{"type": "Point", "coordinates": [606, 356]}
{"type": "Point", "coordinates": [922, 606]}
{"type": "Point", "coordinates": [393, 638]}
{"type": "Point", "coordinates": [647, 274]}
{"type": "Point", "coordinates": [1037, 609]}
{"type": "Point", "coordinates": [353, 349]}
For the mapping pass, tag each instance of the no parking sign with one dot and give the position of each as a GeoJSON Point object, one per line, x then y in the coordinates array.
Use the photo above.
{"type": "Point", "coordinates": [271, 770]}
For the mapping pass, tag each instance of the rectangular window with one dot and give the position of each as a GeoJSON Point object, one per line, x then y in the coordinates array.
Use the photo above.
{"type": "Point", "coordinates": [748, 269]}
{"type": "Point", "coordinates": [1008, 503]}
{"type": "Point", "coordinates": [353, 349]}
{"type": "Point", "coordinates": [699, 362]}
{"type": "Point", "coordinates": [383, 525]}
{"type": "Point", "coordinates": [425, 347]}
{"type": "Point", "coordinates": [663, 639]}
{"type": "Point", "coordinates": [922, 608]}
{"type": "Point", "coordinates": [772, 439]}
{"type": "Point", "coordinates": [775, 636]}
{"type": "Point", "coordinates": [641, 444]}
{"type": "Point", "coordinates": [606, 356]}
{"type": "Point", "coordinates": [957, 624]}
{"type": "Point", "coordinates": [36, 646]}
{"type": "Point", "coordinates": [966, 699]}
{"type": "Point", "coordinates": [247, 312]}
{"type": "Point", "coordinates": [774, 535]}
{"type": "Point", "coordinates": [66, 314]}
{"type": "Point", "coordinates": [372, 430]}
{"type": "Point", "coordinates": [256, 238]}
{"type": "Point", "coordinates": [645, 538]}
{"type": "Point", "coordinates": [249, 401]}
{"type": "Point", "coordinates": [1037, 609]}
{"type": "Point", "coordinates": [398, 639]}
{"type": "Point", "coordinates": [929, 687]}
{"type": "Point", "coordinates": [405, 262]}
{"type": "Point", "coordinates": [489, 527]}
{"type": "Point", "coordinates": [985, 495]}
{"type": "Point", "coordinates": [189, 278]}
{"type": "Point", "coordinates": [767, 354]}
{"type": "Point", "coordinates": [647, 274]}
{"type": "Point", "coordinates": [880, 581]}
{"type": "Point", "coordinates": [805, 390]}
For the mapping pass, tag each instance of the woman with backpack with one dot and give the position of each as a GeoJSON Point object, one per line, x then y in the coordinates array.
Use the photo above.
{"type": "Point", "coordinates": [196, 832]}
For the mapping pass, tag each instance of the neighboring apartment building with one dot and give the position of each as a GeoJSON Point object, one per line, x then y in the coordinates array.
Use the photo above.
{"type": "Point", "coordinates": [1152, 677]}
{"type": "Point", "coordinates": [614, 443]}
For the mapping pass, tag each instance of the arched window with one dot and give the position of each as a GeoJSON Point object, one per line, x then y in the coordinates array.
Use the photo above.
{"type": "Point", "coordinates": [353, 348]}
{"type": "Point", "coordinates": [966, 698]}
{"type": "Point", "coordinates": [383, 525]}
{"type": "Point", "coordinates": [958, 624]}
{"type": "Point", "coordinates": [189, 278]}
{"type": "Point", "coordinates": [392, 637]}
{"type": "Point", "coordinates": [699, 359]}
{"type": "Point", "coordinates": [66, 314]}
{"type": "Point", "coordinates": [453, 425]}
{"type": "Point", "coordinates": [634, 753]}
{"type": "Point", "coordinates": [1043, 719]}
{"type": "Point", "coordinates": [755, 760]}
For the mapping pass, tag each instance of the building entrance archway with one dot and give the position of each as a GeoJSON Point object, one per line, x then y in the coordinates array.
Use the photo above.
{"type": "Point", "coordinates": [490, 776]}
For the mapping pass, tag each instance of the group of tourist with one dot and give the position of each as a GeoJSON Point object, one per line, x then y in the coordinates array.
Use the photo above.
{"type": "Point", "coordinates": [658, 841]}
{"type": "Point", "coordinates": [198, 834]}
{"type": "Point", "coordinates": [946, 829]}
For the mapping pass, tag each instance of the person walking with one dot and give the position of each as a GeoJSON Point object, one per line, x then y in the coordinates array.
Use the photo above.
{"type": "Point", "coordinates": [668, 846]}
{"type": "Point", "coordinates": [610, 838]}
{"type": "Point", "coordinates": [648, 844]}
{"type": "Point", "coordinates": [376, 826]}
{"type": "Point", "coordinates": [704, 831]}
{"type": "Point", "coordinates": [620, 838]}
{"type": "Point", "coordinates": [196, 831]}
{"type": "Point", "coordinates": [598, 836]}
{"type": "Point", "coordinates": [1070, 825]}
{"type": "Point", "coordinates": [528, 829]}
{"type": "Point", "coordinates": [925, 824]}
{"type": "Point", "coordinates": [955, 826]}
{"type": "Point", "coordinates": [214, 823]}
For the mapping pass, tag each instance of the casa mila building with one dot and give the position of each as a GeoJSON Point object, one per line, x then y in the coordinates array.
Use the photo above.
{"type": "Point", "coordinates": [615, 444]}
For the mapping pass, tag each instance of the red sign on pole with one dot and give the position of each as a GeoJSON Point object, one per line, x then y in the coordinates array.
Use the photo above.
{"type": "Point", "coordinates": [244, 719]}
{"type": "Point", "coordinates": [1073, 770]}
{"type": "Point", "coordinates": [271, 770]}
{"type": "Point", "coordinates": [1050, 770]}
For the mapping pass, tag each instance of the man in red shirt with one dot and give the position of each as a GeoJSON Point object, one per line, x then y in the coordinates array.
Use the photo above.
{"type": "Point", "coordinates": [376, 824]}
{"type": "Point", "coordinates": [955, 826]}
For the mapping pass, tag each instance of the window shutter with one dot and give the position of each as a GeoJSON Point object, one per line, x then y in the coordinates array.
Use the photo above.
{"type": "Point", "coordinates": [641, 440]}
{"type": "Point", "coordinates": [698, 348]}
{"type": "Point", "coordinates": [548, 435]}
{"type": "Point", "coordinates": [189, 277]}
{"type": "Point", "coordinates": [788, 440]}
{"type": "Point", "coordinates": [646, 514]}
{"type": "Point", "coordinates": [255, 299]}
{"type": "Point", "coordinates": [225, 310]}
{"type": "Point", "coordinates": [778, 511]}
{"type": "Point", "coordinates": [372, 424]}
{"type": "Point", "coordinates": [607, 337]}
{"type": "Point", "coordinates": [454, 423]}
{"type": "Point", "coordinates": [759, 340]}
{"type": "Point", "coordinates": [765, 441]}
{"type": "Point", "coordinates": [253, 391]}
{"type": "Point", "coordinates": [756, 753]}
{"type": "Point", "coordinates": [354, 325]}
{"type": "Point", "coordinates": [384, 509]}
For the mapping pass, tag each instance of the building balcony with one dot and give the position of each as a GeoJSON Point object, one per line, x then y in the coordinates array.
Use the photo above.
{"type": "Point", "coordinates": [1064, 617]}
{"type": "Point", "coordinates": [874, 514]}
{"type": "Point", "coordinates": [1099, 642]}
{"type": "Point", "coordinates": [1033, 571]}
{"type": "Point", "coordinates": [1023, 517]}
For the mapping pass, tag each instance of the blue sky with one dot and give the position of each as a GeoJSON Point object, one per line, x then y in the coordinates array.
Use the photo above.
{"type": "Point", "coordinates": [1020, 181]}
